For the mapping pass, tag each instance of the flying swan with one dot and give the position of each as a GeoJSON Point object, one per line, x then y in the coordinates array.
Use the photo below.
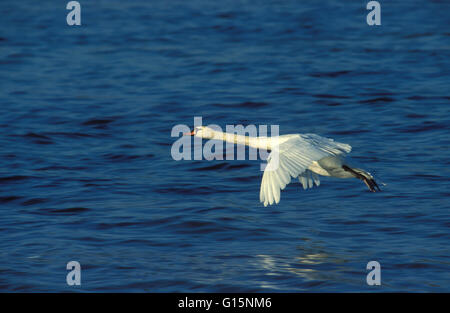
{"type": "Point", "coordinates": [305, 156]}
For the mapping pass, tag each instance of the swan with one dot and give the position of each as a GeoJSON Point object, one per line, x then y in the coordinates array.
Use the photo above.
{"type": "Point", "coordinates": [302, 156]}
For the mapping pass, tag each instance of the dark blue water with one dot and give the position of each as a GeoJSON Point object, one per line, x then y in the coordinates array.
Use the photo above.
{"type": "Point", "coordinates": [86, 172]}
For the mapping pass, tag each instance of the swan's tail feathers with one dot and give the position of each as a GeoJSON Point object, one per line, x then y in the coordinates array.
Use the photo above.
{"type": "Point", "coordinates": [364, 176]}
{"type": "Point", "coordinates": [308, 179]}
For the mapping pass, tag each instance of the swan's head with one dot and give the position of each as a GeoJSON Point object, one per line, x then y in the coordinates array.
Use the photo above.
{"type": "Point", "coordinates": [202, 132]}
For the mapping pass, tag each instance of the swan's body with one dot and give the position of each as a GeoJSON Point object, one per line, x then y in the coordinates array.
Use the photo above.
{"type": "Point", "coordinates": [302, 156]}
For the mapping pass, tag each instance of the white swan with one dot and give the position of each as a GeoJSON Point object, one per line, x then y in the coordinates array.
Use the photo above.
{"type": "Point", "coordinates": [297, 155]}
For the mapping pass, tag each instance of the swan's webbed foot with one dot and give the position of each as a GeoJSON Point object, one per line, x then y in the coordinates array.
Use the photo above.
{"type": "Point", "coordinates": [367, 179]}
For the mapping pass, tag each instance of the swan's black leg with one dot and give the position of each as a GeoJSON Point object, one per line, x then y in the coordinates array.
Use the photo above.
{"type": "Point", "coordinates": [370, 182]}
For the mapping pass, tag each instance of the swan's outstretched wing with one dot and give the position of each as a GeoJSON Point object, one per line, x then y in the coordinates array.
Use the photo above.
{"type": "Point", "coordinates": [292, 159]}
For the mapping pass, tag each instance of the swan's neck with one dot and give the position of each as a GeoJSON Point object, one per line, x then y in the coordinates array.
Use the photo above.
{"type": "Point", "coordinates": [265, 143]}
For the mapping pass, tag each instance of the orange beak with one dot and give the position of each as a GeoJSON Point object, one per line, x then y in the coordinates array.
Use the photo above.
{"type": "Point", "coordinates": [189, 134]}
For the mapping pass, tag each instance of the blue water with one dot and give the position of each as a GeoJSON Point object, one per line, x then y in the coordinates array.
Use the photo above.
{"type": "Point", "coordinates": [86, 172]}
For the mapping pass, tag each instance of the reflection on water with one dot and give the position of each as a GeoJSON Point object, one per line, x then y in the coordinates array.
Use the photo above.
{"type": "Point", "coordinates": [307, 264]}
